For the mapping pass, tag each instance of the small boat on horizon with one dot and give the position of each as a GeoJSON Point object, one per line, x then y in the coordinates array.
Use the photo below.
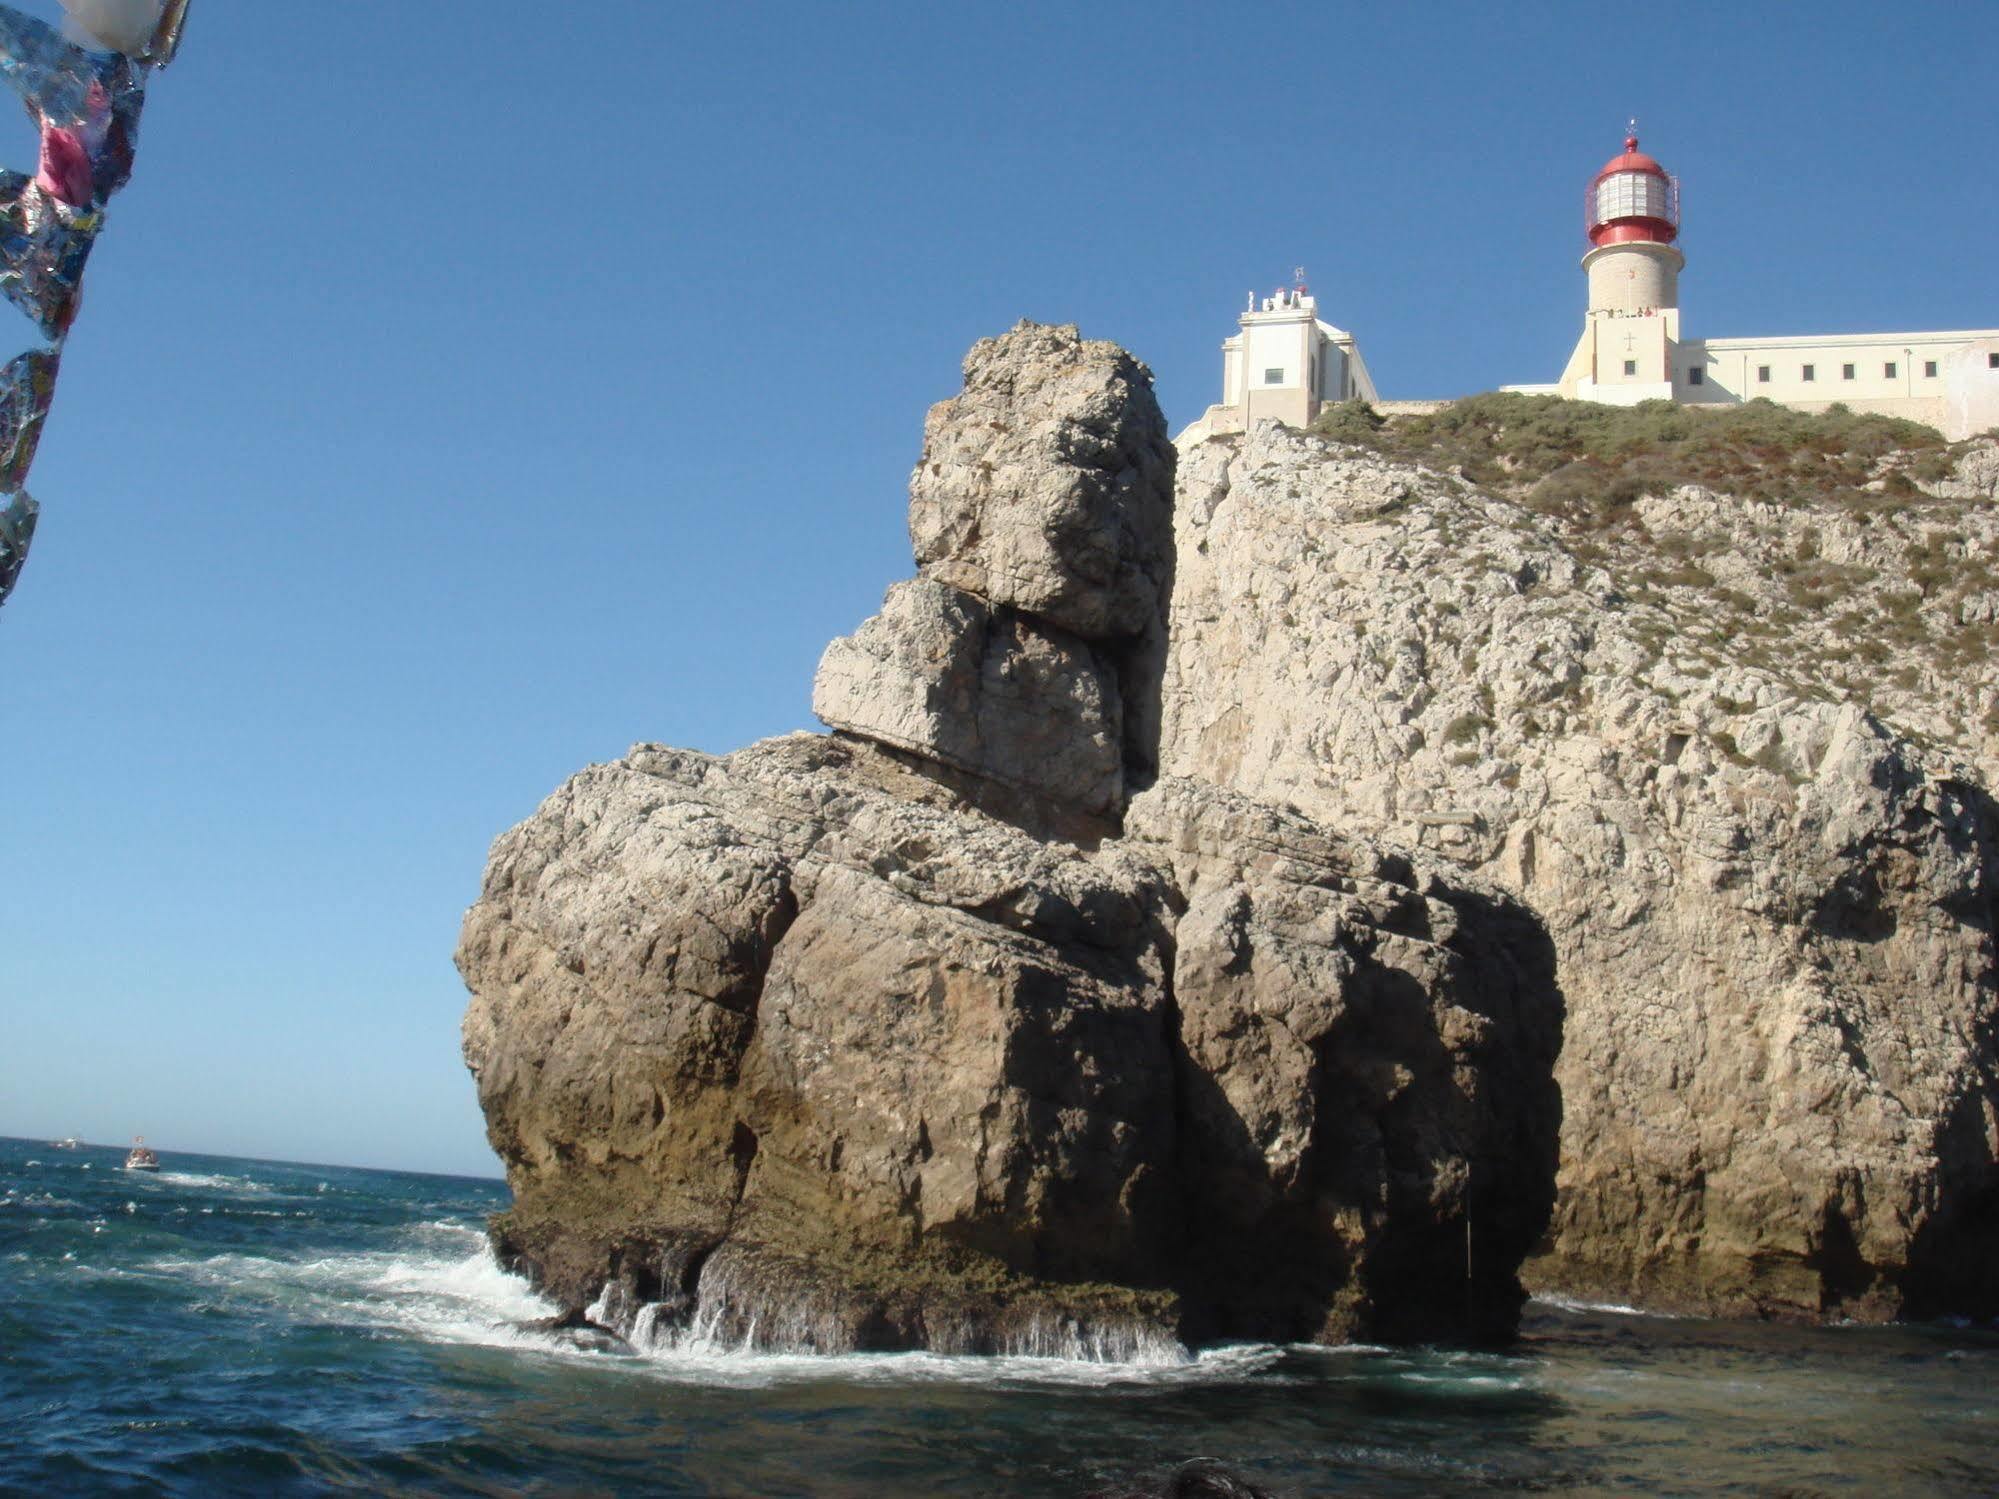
{"type": "Point", "coordinates": [143, 1157]}
{"type": "Point", "coordinates": [69, 1143]}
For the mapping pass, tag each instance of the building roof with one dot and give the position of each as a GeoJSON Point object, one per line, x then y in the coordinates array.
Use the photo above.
{"type": "Point", "coordinates": [1633, 160]}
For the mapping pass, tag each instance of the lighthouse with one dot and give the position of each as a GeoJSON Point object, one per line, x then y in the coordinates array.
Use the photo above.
{"type": "Point", "coordinates": [1632, 216]}
{"type": "Point", "coordinates": [1632, 349]}
{"type": "Point", "coordinates": [1629, 347]}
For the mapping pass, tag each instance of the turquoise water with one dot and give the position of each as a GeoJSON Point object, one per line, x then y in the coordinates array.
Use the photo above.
{"type": "Point", "coordinates": [235, 1326]}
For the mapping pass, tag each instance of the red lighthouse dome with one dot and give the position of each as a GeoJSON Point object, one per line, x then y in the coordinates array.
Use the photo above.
{"type": "Point", "coordinates": [1632, 199]}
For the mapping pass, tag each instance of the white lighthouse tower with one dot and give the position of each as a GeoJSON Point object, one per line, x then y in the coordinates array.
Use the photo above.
{"type": "Point", "coordinates": [1631, 335]}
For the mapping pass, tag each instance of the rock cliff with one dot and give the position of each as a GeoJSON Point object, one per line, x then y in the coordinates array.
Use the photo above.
{"type": "Point", "coordinates": [1771, 912]}
{"type": "Point", "coordinates": [1274, 900]}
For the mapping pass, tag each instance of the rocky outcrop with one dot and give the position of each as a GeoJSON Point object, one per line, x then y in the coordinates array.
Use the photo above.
{"type": "Point", "coordinates": [1027, 651]}
{"type": "Point", "coordinates": [931, 1034]}
{"type": "Point", "coordinates": [1771, 916]}
{"type": "Point", "coordinates": [887, 1070]}
{"type": "Point", "coordinates": [948, 676]}
{"type": "Point", "coordinates": [1047, 485]}
{"type": "Point", "coordinates": [1278, 902]}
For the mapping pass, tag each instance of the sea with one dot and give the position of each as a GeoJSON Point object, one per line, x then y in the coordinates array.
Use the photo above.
{"type": "Point", "coordinates": [230, 1326]}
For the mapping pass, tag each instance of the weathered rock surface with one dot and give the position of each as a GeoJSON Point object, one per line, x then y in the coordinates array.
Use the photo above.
{"type": "Point", "coordinates": [1273, 911]}
{"type": "Point", "coordinates": [1048, 484]}
{"type": "Point", "coordinates": [1771, 917]}
{"type": "Point", "coordinates": [945, 675]}
{"type": "Point", "coordinates": [821, 1044]}
{"type": "Point", "coordinates": [1028, 650]}
{"type": "Point", "coordinates": [892, 1070]}
{"type": "Point", "coordinates": [1365, 1075]}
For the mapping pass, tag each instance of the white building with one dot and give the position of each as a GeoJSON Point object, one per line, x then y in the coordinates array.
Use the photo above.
{"type": "Point", "coordinates": [1283, 366]}
{"type": "Point", "coordinates": [1631, 349]}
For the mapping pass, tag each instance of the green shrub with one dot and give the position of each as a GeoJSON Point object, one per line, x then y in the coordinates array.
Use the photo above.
{"type": "Point", "coordinates": [1352, 422]}
{"type": "Point", "coordinates": [1569, 455]}
{"type": "Point", "coordinates": [1465, 728]}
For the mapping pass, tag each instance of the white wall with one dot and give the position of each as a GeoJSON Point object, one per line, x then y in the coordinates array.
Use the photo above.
{"type": "Point", "coordinates": [1960, 398]}
{"type": "Point", "coordinates": [1278, 346]}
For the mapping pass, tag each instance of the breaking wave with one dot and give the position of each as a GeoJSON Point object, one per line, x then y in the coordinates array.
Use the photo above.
{"type": "Point", "coordinates": [442, 1285]}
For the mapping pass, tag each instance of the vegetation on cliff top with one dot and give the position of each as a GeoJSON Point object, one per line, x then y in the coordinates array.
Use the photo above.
{"type": "Point", "coordinates": [1562, 453]}
{"type": "Point", "coordinates": [1841, 550]}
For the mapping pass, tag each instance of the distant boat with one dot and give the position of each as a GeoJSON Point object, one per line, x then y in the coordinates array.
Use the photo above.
{"type": "Point", "coordinates": [142, 1158]}
{"type": "Point", "coordinates": [72, 1143]}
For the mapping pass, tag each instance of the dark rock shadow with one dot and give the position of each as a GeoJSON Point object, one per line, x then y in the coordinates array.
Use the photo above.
{"type": "Point", "coordinates": [1953, 1258]}
{"type": "Point", "coordinates": [1140, 665]}
{"type": "Point", "coordinates": [1430, 1173]}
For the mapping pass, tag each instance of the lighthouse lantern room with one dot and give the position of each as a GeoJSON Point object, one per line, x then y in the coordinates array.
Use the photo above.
{"type": "Point", "coordinates": [1632, 198]}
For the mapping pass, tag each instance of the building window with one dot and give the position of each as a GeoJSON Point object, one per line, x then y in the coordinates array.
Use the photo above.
{"type": "Point", "coordinates": [1846, 372]}
{"type": "Point", "coordinates": [1888, 370]}
{"type": "Point", "coordinates": [1762, 374]}
{"type": "Point", "coordinates": [1811, 372]}
{"type": "Point", "coordinates": [1992, 361]}
{"type": "Point", "coordinates": [1929, 369]}
{"type": "Point", "coordinates": [1630, 366]}
{"type": "Point", "coordinates": [1273, 377]}
{"type": "Point", "coordinates": [1697, 377]}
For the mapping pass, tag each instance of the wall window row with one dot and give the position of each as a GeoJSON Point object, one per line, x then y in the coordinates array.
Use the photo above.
{"type": "Point", "coordinates": [1890, 370]}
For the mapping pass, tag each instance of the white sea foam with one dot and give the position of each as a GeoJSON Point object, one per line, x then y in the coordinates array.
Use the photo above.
{"type": "Point", "coordinates": [683, 1363]}
{"type": "Point", "coordinates": [42, 1200]}
{"type": "Point", "coordinates": [435, 1291]}
{"type": "Point", "coordinates": [211, 1183]}
{"type": "Point", "coordinates": [718, 1330]}
{"type": "Point", "coordinates": [443, 1285]}
{"type": "Point", "coordinates": [1597, 1308]}
{"type": "Point", "coordinates": [1468, 1381]}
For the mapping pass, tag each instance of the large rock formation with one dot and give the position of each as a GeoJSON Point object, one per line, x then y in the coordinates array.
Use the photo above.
{"type": "Point", "coordinates": [1772, 916]}
{"type": "Point", "coordinates": [928, 1034]}
{"type": "Point", "coordinates": [1028, 650]}
{"type": "Point", "coordinates": [1272, 910]}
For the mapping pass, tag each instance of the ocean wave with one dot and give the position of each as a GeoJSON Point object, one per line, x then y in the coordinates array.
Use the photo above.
{"type": "Point", "coordinates": [440, 1283]}
{"type": "Point", "coordinates": [443, 1296]}
{"type": "Point", "coordinates": [211, 1183]}
{"type": "Point", "coordinates": [1451, 1379]}
{"type": "Point", "coordinates": [455, 1227]}
{"type": "Point", "coordinates": [39, 1200]}
{"type": "Point", "coordinates": [446, 1287]}
{"type": "Point", "coordinates": [1597, 1308]}
{"type": "Point", "coordinates": [737, 1368]}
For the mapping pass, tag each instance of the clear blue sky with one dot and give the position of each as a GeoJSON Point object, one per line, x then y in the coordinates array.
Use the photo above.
{"type": "Point", "coordinates": [459, 401]}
